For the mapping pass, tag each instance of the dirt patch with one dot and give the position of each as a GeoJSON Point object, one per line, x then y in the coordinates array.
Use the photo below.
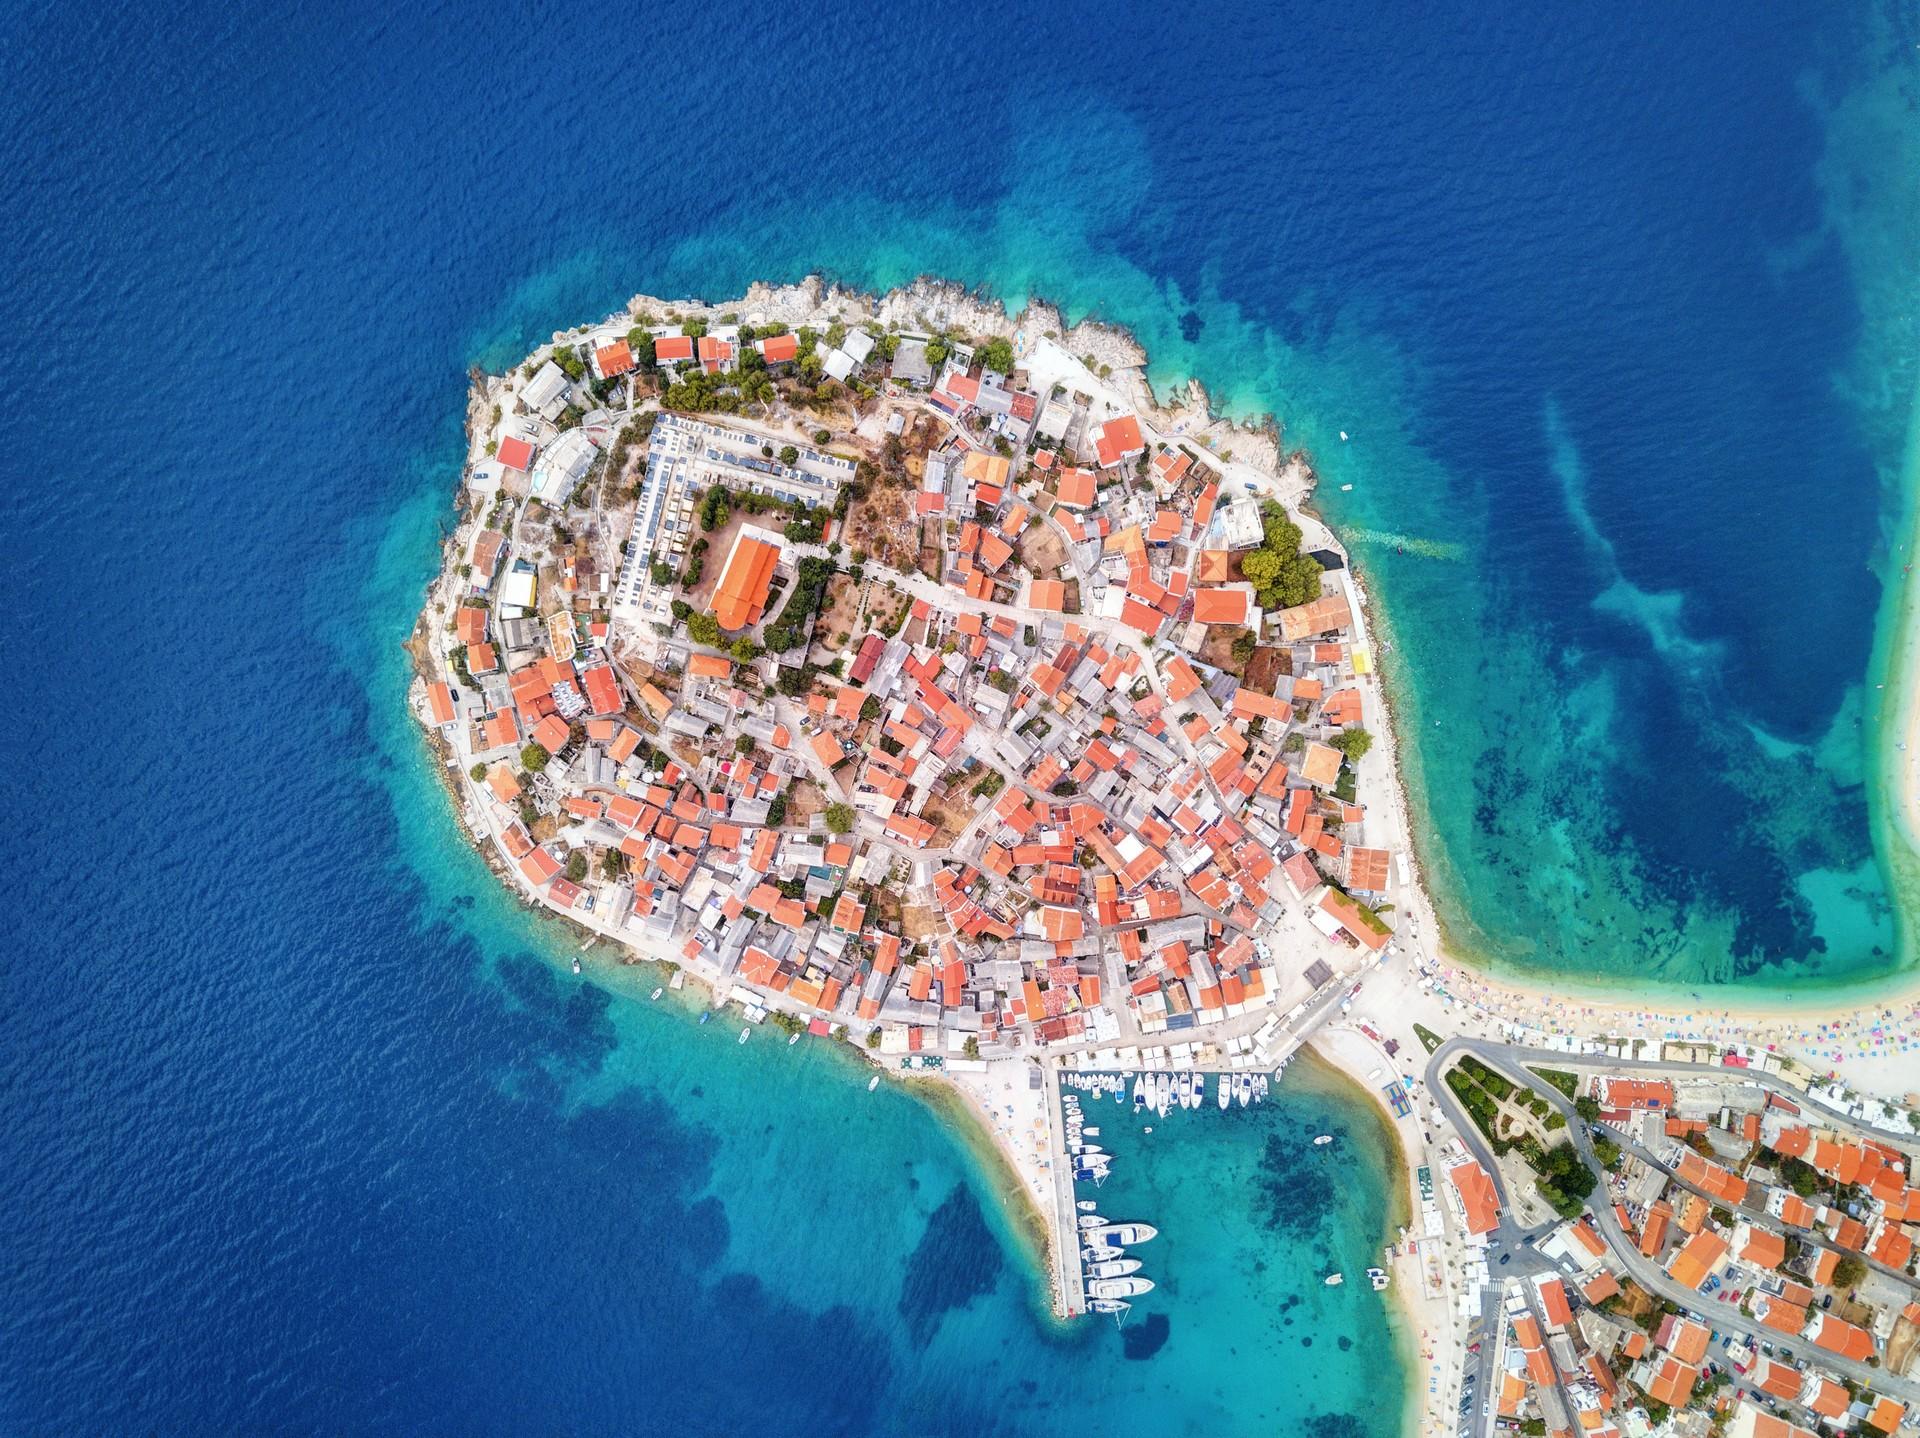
{"type": "Point", "coordinates": [917, 923]}
{"type": "Point", "coordinates": [1217, 650]}
{"type": "Point", "coordinates": [1042, 550]}
{"type": "Point", "coordinates": [804, 800]}
{"type": "Point", "coordinates": [949, 814]}
{"type": "Point", "coordinates": [836, 625]}
{"type": "Point", "coordinates": [1265, 669]}
{"type": "Point", "coordinates": [930, 562]}
{"type": "Point", "coordinates": [882, 525]}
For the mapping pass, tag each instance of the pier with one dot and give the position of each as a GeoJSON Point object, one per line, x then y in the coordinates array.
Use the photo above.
{"type": "Point", "coordinates": [1279, 1039]}
{"type": "Point", "coordinates": [1071, 1277]}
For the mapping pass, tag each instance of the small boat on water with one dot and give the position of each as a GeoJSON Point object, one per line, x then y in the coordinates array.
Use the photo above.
{"type": "Point", "coordinates": [1139, 1093]}
{"type": "Point", "coordinates": [1129, 1287]}
{"type": "Point", "coordinates": [1113, 1235]}
{"type": "Point", "coordinates": [1323, 1140]}
{"type": "Point", "coordinates": [1117, 1307]}
{"type": "Point", "coordinates": [793, 1038]}
{"type": "Point", "coordinates": [1085, 1205]}
{"type": "Point", "coordinates": [1378, 1277]}
{"type": "Point", "coordinates": [1334, 1280]}
{"type": "Point", "coordinates": [1242, 1090]}
{"type": "Point", "coordinates": [656, 994]}
{"type": "Point", "coordinates": [1225, 1094]}
{"type": "Point", "coordinates": [746, 1033]}
{"type": "Point", "coordinates": [705, 1014]}
{"type": "Point", "coordinates": [1092, 1220]}
{"type": "Point", "coordinates": [1113, 1267]}
{"type": "Point", "coordinates": [576, 963]}
{"type": "Point", "coordinates": [873, 1083]}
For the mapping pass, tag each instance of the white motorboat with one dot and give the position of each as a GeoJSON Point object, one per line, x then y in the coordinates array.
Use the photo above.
{"type": "Point", "coordinates": [1113, 1267]}
{"type": "Point", "coordinates": [1139, 1093]}
{"type": "Point", "coordinates": [1334, 1280]}
{"type": "Point", "coordinates": [1091, 1220]}
{"type": "Point", "coordinates": [1109, 1305]}
{"type": "Point", "coordinates": [746, 1033]}
{"type": "Point", "coordinates": [1225, 1092]}
{"type": "Point", "coordinates": [1243, 1090]}
{"type": "Point", "coordinates": [1131, 1286]}
{"type": "Point", "coordinates": [1378, 1277]}
{"type": "Point", "coordinates": [873, 1083]}
{"type": "Point", "coordinates": [794, 1038]}
{"type": "Point", "coordinates": [576, 963]}
{"type": "Point", "coordinates": [656, 993]}
{"type": "Point", "coordinates": [1199, 1090]}
{"type": "Point", "coordinates": [1115, 1234]}
{"type": "Point", "coordinates": [1085, 1205]}
{"type": "Point", "coordinates": [1323, 1140]}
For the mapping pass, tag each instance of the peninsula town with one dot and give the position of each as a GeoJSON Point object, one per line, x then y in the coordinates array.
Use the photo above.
{"type": "Point", "coordinates": [905, 674]}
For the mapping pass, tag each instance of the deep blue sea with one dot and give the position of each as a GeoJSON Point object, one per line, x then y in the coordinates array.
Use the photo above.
{"type": "Point", "coordinates": [308, 1129]}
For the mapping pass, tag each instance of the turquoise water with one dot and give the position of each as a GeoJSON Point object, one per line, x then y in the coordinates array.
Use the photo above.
{"type": "Point", "coordinates": [310, 1130]}
{"type": "Point", "coordinates": [897, 1254]}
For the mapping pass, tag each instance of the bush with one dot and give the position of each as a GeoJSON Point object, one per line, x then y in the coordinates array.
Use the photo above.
{"type": "Point", "coordinates": [839, 818]}
{"type": "Point", "coordinates": [705, 629]}
{"type": "Point", "coordinates": [478, 773]}
{"type": "Point", "coordinates": [533, 758]}
{"type": "Point", "coordinates": [577, 865]}
{"type": "Point", "coordinates": [777, 811]}
{"type": "Point", "coordinates": [789, 455]}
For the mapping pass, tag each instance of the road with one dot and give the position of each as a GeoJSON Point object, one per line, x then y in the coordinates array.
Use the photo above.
{"type": "Point", "coordinates": [1511, 1061]}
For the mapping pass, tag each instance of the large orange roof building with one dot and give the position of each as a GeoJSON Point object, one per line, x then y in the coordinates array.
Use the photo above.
{"type": "Point", "coordinates": [741, 600]}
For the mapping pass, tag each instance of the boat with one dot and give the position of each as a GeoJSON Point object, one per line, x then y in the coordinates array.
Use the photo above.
{"type": "Point", "coordinates": [873, 1083]}
{"type": "Point", "coordinates": [1110, 1305]}
{"type": "Point", "coordinates": [705, 1014]}
{"type": "Point", "coordinates": [576, 963]}
{"type": "Point", "coordinates": [1199, 1090]}
{"type": "Point", "coordinates": [656, 994]}
{"type": "Point", "coordinates": [1323, 1140]}
{"type": "Point", "coordinates": [1378, 1277]}
{"type": "Point", "coordinates": [793, 1038]}
{"type": "Point", "coordinates": [746, 1033]}
{"type": "Point", "coordinates": [1091, 1220]}
{"type": "Point", "coordinates": [1085, 1205]}
{"type": "Point", "coordinates": [1115, 1234]}
{"type": "Point", "coordinates": [1243, 1090]}
{"type": "Point", "coordinates": [1130, 1287]}
{"type": "Point", "coordinates": [1139, 1093]}
{"type": "Point", "coordinates": [1113, 1268]}
{"type": "Point", "coordinates": [1091, 1132]}
{"type": "Point", "coordinates": [1225, 1093]}
{"type": "Point", "coordinates": [1334, 1280]}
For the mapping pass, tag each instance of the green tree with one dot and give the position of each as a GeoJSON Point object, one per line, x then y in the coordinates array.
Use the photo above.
{"type": "Point", "coordinates": [705, 629]}
{"type": "Point", "coordinates": [971, 1048]}
{"type": "Point", "coordinates": [996, 355]}
{"type": "Point", "coordinates": [777, 811]}
{"type": "Point", "coordinates": [1588, 1107]}
{"type": "Point", "coordinates": [478, 773]}
{"type": "Point", "coordinates": [743, 745]}
{"type": "Point", "coordinates": [533, 758]}
{"type": "Point", "coordinates": [1261, 566]}
{"type": "Point", "coordinates": [745, 650]}
{"type": "Point", "coordinates": [822, 436]}
{"type": "Point", "coordinates": [1354, 743]}
{"type": "Point", "coordinates": [694, 329]}
{"type": "Point", "coordinates": [839, 818]}
{"type": "Point", "coordinates": [789, 455]}
{"type": "Point", "coordinates": [1848, 1271]}
{"type": "Point", "coordinates": [873, 1038]}
{"type": "Point", "coordinates": [577, 865]}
